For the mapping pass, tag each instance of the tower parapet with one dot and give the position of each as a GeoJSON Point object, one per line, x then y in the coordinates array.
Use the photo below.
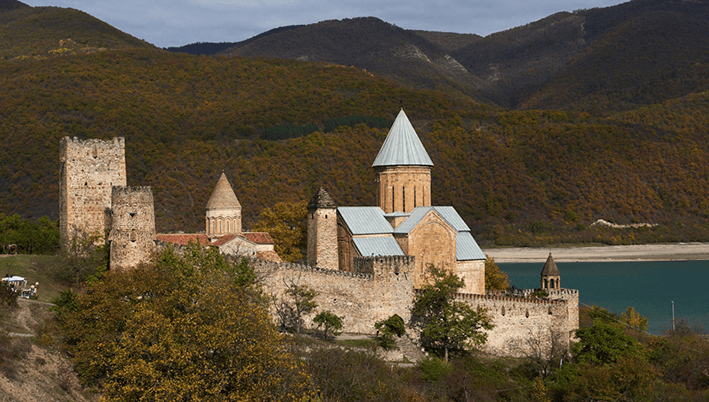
{"type": "Point", "coordinates": [385, 267]}
{"type": "Point", "coordinates": [132, 234]}
{"type": "Point", "coordinates": [88, 171]}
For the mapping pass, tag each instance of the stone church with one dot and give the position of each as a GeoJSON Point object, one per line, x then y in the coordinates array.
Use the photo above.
{"type": "Point", "coordinates": [404, 223]}
{"type": "Point", "coordinates": [223, 228]}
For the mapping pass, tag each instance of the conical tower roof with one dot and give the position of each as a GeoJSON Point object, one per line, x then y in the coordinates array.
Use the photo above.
{"type": "Point", "coordinates": [402, 146]}
{"type": "Point", "coordinates": [321, 199]}
{"type": "Point", "coordinates": [223, 196]}
{"type": "Point", "coordinates": [550, 268]}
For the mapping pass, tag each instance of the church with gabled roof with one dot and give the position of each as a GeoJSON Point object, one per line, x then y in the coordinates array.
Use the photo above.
{"type": "Point", "coordinates": [405, 223]}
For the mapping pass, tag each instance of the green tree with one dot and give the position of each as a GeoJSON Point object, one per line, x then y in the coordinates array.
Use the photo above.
{"type": "Point", "coordinates": [297, 302]}
{"type": "Point", "coordinates": [386, 330]}
{"type": "Point", "coordinates": [444, 323]}
{"type": "Point", "coordinates": [84, 259]}
{"type": "Point", "coordinates": [285, 222]}
{"type": "Point", "coordinates": [604, 343]}
{"type": "Point", "coordinates": [495, 278]}
{"type": "Point", "coordinates": [184, 327]}
{"type": "Point", "coordinates": [330, 322]}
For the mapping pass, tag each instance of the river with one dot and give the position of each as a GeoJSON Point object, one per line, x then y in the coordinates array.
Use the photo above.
{"type": "Point", "coordinates": [649, 286]}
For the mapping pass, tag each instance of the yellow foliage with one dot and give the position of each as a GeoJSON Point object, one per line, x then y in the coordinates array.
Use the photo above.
{"type": "Point", "coordinates": [190, 327]}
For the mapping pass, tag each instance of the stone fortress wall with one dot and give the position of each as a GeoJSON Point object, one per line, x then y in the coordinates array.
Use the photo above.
{"type": "Point", "coordinates": [517, 316]}
{"type": "Point", "coordinates": [380, 287]}
{"type": "Point", "coordinates": [88, 171]}
{"type": "Point", "coordinates": [384, 287]}
{"type": "Point", "coordinates": [132, 233]}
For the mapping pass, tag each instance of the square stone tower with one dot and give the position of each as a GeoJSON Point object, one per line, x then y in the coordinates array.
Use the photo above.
{"type": "Point", "coordinates": [132, 234]}
{"type": "Point", "coordinates": [88, 171]}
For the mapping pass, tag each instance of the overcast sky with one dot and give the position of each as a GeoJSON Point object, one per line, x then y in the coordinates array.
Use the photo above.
{"type": "Point", "coordinates": [179, 22]}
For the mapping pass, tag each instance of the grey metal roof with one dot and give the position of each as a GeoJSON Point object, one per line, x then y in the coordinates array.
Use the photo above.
{"type": "Point", "coordinates": [448, 213]}
{"type": "Point", "coordinates": [466, 248]}
{"type": "Point", "coordinates": [402, 146]}
{"type": "Point", "coordinates": [365, 220]}
{"type": "Point", "coordinates": [451, 216]}
{"type": "Point", "coordinates": [414, 218]}
{"type": "Point", "coordinates": [381, 245]}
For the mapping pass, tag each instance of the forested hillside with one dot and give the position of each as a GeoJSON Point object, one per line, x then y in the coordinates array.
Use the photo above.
{"type": "Point", "coordinates": [516, 177]}
{"type": "Point", "coordinates": [599, 60]}
{"type": "Point", "coordinates": [41, 32]}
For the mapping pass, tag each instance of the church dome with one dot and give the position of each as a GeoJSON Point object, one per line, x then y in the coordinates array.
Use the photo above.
{"type": "Point", "coordinates": [223, 196]}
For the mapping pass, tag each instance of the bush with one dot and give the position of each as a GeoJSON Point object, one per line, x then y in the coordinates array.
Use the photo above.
{"type": "Point", "coordinates": [386, 329]}
{"type": "Point", "coordinates": [433, 368]}
{"type": "Point", "coordinates": [8, 297]}
{"type": "Point", "coordinates": [330, 322]}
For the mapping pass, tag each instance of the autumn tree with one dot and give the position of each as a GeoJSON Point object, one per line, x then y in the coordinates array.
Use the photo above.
{"type": "Point", "coordinates": [184, 327]}
{"type": "Point", "coordinates": [633, 319]}
{"type": "Point", "coordinates": [285, 222]}
{"type": "Point", "coordinates": [495, 278]}
{"type": "Point", "coordinates": [444, 323]}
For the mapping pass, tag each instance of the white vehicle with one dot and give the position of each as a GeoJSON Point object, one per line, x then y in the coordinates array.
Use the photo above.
{"type": "Point", "coordinates": [19, 285]}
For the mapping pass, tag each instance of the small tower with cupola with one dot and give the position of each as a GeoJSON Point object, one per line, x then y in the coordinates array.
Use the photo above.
{"type": "Point", "coordinates": [551, 277]}
{"type": "Point", "coordinates": [223, 210]}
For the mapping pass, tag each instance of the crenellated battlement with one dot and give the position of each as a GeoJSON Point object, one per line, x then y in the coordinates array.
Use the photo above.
{"type": "Point", "coordinates": [137, 193]}
{"type": "Point", "coordinates": [384, 266]}
{"type": "Point", "coordinates": [72, 148]}
{"type": "Point", "coordinates": [506, 298]}
{"type": "Point", "coordinates": [259, 264]}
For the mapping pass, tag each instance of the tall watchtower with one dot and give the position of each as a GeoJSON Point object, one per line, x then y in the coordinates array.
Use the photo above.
{"type": "Point", "coordinates": [223, 210]}
{"type": "Point", "coordinates": [132, 234]}
{"type": "Point", "coordinates": [322, 231]}
{"type": "Point", "coordinates": [403, 170]}
{"type": "Point", "coordinates": [89, 170]}
{"type": "Point", "coordinates": [551, 277]}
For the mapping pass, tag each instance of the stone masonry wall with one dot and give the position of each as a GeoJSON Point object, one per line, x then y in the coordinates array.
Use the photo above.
{"type": "Point", "coordinates": [89, 169]}
{"type": "Point", "coordinates": [516, 318]}
{"type": "Point", "coordinates": [322, 238]}
{"type": "Point", "coordinates": [402, 188]}
{"type": "Point", "coordinates": [473, 274]}
{"type": "Point", "coordinates": [132, 233]}
{"type": "Point", "coordinates": [432, 242]}
{"type": "Point", "coordinates": [362, 299]}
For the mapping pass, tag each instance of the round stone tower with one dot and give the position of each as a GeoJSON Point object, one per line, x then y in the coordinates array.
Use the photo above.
{"type": "Point", "coordinates": [223, 210]}
{"type": "Point", "coordinates": [403, 170]}
{"type": "Point", "coordinates": [551, 277]}
{"type": "Point", "coordinates": [322, 231]}
{"type": "Point", "coordinates": [132, 233]}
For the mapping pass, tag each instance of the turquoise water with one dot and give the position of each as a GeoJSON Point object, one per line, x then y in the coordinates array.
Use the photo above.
{"type": "Point", "coordinates": [650, 287]}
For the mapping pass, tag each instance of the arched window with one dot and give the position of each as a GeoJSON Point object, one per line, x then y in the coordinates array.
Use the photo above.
{"type": "Point", "coordinates": [546, 284]}
{"type": "Point", "coordinates": [551, 284]}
